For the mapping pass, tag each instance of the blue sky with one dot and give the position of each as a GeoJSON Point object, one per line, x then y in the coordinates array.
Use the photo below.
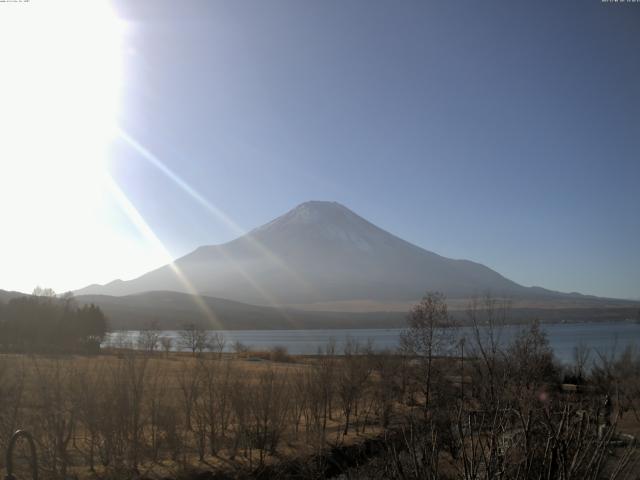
{"type": "Point", "coordinates": [503, 132]}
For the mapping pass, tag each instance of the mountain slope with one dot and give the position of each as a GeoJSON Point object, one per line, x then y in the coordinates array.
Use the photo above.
{"type": "Point", "coordinates": [321, 252]}
{"type": "Point", "coordinates": [5, 295]}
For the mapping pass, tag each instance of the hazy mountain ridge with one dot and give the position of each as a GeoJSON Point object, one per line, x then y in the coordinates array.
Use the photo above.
{"type": "Point", "coordinates": [172, 310]}
{"type": "Point", "coordinates": [5, 295]}
{"type": "Point", "coordinates": [317, 252]}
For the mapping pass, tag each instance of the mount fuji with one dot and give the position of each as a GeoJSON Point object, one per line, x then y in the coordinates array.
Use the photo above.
{"type": "Point", "coordinates": [321, 252]}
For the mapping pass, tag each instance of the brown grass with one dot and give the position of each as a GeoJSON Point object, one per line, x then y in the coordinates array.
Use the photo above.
{"type": "Point", "coordinates": [57, 392]}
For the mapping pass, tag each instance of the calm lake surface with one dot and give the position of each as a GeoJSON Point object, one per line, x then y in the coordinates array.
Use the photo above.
{"type": "Point", "coordinates": [607, 338]}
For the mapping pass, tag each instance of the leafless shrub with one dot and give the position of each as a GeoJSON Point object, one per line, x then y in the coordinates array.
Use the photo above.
{"type": "Point", "coordinates": [415, 454]}
{"type": "Point", "coordinates": [279, 353]}
{"type": "Point", "coordinates": [531, 363]}
{"type": "Point", "coordinates": [618, 377]}
{"type": "Point", "coordinates": [240, 348]}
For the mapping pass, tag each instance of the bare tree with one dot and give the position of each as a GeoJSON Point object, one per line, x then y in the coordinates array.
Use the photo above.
{"type": "Point", "coordinates": [87, 389]}
{"type": "Point", "coordinates": [217, 343]}
{"type": "Point", "coordinates": [581, 354]}
{"type": "Point", "coordinates": [352, 382]}
{"type": "Point", "coordinates": [43, 292]}
{"type": "Point", "coordinates": [387, 389]}
{"type": "Point", "coordinates": [166, 343]}
{"type": "Point", "coordinates": [149, 338]}
{"type": "Point", "coordinates": [56, 418]}
{"type": "Point", "coordinates": [190, 388]}
{"type": "Point", "coordinates": [121, 340]}
{"type": "Point", "coordinates": [194, 338]}
{"type": "Point", "coordinates": [135, 368]}
{"type": "Point", "coordinates": [240, 348]}
{"type": "Point", "coordinates": [279, 353]}
{"type": "Point", "coordinates": [240, 400]}
{"type": "Point", "coordinates": [530, 361]}
{"type": "Point", "coordinates": [429, 334]}
{"type": "Point", "coordinates": [269, 407]}
{"type": "Point", "coordinates": [156, 403]}
{"type": "Point", "coordinates": [488, 318]}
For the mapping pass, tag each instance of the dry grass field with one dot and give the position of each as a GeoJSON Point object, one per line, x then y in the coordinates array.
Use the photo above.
{"type": "Point", "coordinates": [129, 413]}
{"type": "Point", "coordinates": [504, 411]}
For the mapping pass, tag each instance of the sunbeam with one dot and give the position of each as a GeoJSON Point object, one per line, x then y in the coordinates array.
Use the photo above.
{"type": "Point", "coordinates": [153, 160]}
{"type": "Point", "coordinates": [220, 215]}
{"type": "Point", "coordinates": [145, 230]}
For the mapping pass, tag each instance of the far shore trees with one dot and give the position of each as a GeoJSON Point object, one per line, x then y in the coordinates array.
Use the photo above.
{"type": "Point", "coordinates": [44, 322]}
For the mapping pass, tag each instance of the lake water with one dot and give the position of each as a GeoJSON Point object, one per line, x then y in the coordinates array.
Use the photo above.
{"type": "Point", "coordinates": [605, 338]}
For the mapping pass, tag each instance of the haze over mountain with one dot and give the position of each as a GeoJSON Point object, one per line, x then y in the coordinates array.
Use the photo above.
{"type": "Point", "coordinates": [172, 310]}
{"type": "Point", "coordinates": [320, 252]}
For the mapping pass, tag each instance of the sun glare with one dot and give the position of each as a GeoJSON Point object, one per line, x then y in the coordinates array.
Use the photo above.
{"type": "Point", "coordinates": [60, 83]}
{"type": "Point", "coordinates": [61, 79]}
